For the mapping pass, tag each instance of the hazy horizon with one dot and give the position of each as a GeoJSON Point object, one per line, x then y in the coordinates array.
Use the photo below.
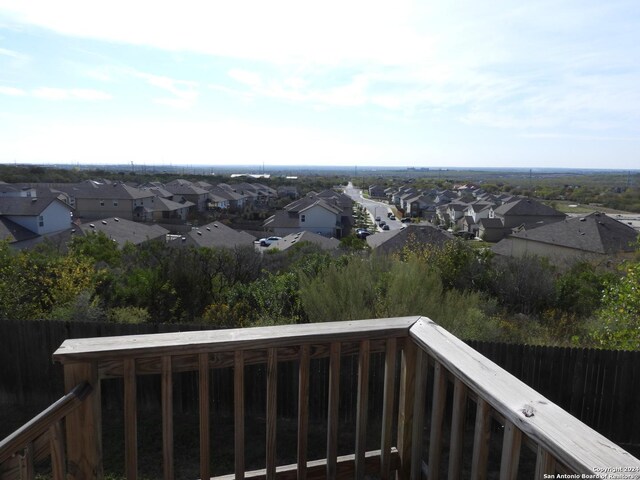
{"type": "Point", "coordinates": [410, 83]}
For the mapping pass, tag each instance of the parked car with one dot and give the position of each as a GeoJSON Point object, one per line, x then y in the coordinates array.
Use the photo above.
{"type": "Point", "coordinates": [265, 242]}
{"type": "Point", "coordinates": [465, 235]}
{"type": "Point", "coordinates": [385, 227]}
{"type": "Point", "coordinates": [377, 218]}
{"type": "Point", "coordinates": [406, 220]}
{"type": "Point", "coordinates": [362, 233]}
{"type": "Point", "coordinates": [392, 217]}
{"type": "Point", "coordinates": [382, 223]}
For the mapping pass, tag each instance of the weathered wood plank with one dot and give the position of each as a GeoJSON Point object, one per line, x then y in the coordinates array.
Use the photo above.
{"type": "Point", "coordinates": [317, 469]}
{"type": "Point", "coordinates": [157, 345]}
{"type": "Point", "coordinates": [545, 464]}
{"type": "Point", "coordinates": [363, 409]}
{"type": "Point", "coordinates": [27, 468]}
{"type": "Point", "coordinates": [510, 452]}
{"type": "Point", "coordinates": [406, 405]}
{"type": "Point", "coordinates": [388, 408]}
{"type": "Point", "coordinates": [437, 419]}
{"type": "Point", "coordinates": [84, 424]}
{"type": "Point", "coordinates": [457, 429]}
{"type": "Point", "coordinates": [303, 412]}
{"type": "Point", "coordinates": [167, 418]}
{"type": "Point", "coordinates": [130, 419]}
{"type": "Point", "coordinates": [238, 410]}
{"type": "Point", "coordinates": [573, 443]}
{"type": "Point", "coordinates": [418, 413]}
{"type": "Point", "coordinates": [272, 412]}
{"type": "Point", "coordinates": [333, 411]}
{"type": "Point", "coordinates": [481, 439]}
{"type": "Point", "coordinates": [110, 368]}
{"type": "Point", "coordinates": [56, 447]}
{"type": "Point", "coordinates": [203, 398]}
{"type": "Point", "coordinates": [40, 424]}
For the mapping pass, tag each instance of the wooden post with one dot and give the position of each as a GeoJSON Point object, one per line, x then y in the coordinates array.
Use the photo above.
{"type": "Point", "coordinates": [130, 420]}
{"type": "Point", "coordinates": [303, 411]}
{"type": "Point", "coordinates": [84, 425]}
{"type": "Point", "coordinates": [334, 404]}
{"type": "Point", "coordinates": [545, 463]}
{"type": "Point", "coordinates": [405, 409]}
{"type": "Point", "coordinates": [167, 417]}
{"type": "Point", "coordinates": [418, 413]}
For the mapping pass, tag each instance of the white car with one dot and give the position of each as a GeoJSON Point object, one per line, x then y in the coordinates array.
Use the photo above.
{"type": "Point", "coordinates": [265, 242]}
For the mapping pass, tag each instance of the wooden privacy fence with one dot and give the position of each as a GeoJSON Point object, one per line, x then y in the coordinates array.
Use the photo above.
{"type": "Point", "coordinates": [600, 387]}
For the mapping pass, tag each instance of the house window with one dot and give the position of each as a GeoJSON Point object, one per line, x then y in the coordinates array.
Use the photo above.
{"type": "Point", "coordinates": [115, 203]}
{"type": "Point", "coordinates": [102, 203]}
{"type": "Point", "coordinates": [302, 218]}
{"type": "Point", "coordinates": [41, 221]}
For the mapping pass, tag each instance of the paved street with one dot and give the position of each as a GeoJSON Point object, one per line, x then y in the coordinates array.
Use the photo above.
{"type": "Point", "coordinates": [375, 208]}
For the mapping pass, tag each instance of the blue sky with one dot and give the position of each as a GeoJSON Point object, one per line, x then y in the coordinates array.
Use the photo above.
{"type": "Point", "coordinates": [407, 83]}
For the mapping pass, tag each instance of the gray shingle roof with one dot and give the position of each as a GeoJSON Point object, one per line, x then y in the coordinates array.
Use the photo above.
{"type": "Point", "coordinates": [12, 232]}
{"type": "Point", "coordinates": [527, 206]}
{"type": "Point", "coordinates": [290, 240]}
{"type": "Point", "coordinates": [123, 231]}
{"type": "Point", "coordinates": [26, 206]}
{"type": "Point", "coordinates": [595, 232]}
{"type": "Point", "coordinates": [394, 240]}
{"type": "Point", "coordinates": [214, 235]}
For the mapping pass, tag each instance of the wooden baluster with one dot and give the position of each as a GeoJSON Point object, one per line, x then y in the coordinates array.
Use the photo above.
{"type": "Point", "coordinates": [56, 447]}
{"type": "Point", "coordinates": [437, 414]}
{"type": "Point", "coordinates": [130, 419]}
{"type": "Point", "coordinates": [332, 416]}
{"type": "Point", "coordinates": [481, 438]}
{"type": "Point", "coordinates": [418, 413]}
{"type": "Point", "coordinates": [510, 452]}
{"type": "Point", "coordinates": [457, 429]}
{"type": "Point", "coordinates": [238, 409]}
{"type": "Point", "coordinates": [405, 408]}
{"type": "Point", "coordinates": [272, 411]}
{"type": "Point", "coordinates": [545, 463]}
{"type": "Point", "coordinates": [167, 417]}
{"type": "Point", "coordinates": [363, 407]}
{"type": "Point", "coordinates": [27, 470]}
{"type": "Point", "coordinates": [84, 424]}
{"type": "Point", "coordinates": [303, 412]}
{"type": "Point", "coordinates": [388, 408]}
{"type": "Point", "coordinates": [203, 396]}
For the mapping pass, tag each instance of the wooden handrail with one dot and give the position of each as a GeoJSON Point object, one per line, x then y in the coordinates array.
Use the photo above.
{"type": "Point", "coordinates": [222, 341]}
{"type": "Point", "coordinates": [567, 439]}
{"type": "Point", "coordinates": [40, 424]}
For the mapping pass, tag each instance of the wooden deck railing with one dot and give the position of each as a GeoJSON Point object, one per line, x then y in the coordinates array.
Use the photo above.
{"type": "Point", "coordinates": [413, 431]}
{"type": "Point", "coordinates": [41, 437]}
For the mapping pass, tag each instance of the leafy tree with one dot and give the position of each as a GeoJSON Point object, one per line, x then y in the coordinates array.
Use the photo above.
{"type": "Point", "coordinates": [619, 316]}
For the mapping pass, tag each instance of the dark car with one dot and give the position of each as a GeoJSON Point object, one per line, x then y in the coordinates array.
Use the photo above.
{"type": "Point", "coordinates": [385, 227]}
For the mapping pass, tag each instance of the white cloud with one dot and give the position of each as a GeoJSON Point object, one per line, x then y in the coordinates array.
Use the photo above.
{"type": "Point", "coordinates": [48, 93]}
{"type": "Point", "coordinates": [184, 92]}
{"type": "Point", "coordinates": [12, 91]}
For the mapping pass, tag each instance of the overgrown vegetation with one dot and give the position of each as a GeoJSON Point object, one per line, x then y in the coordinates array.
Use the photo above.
{"type": "Point", "coordinates": [461, 287]}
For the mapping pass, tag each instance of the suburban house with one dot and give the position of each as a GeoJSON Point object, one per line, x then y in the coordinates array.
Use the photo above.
{"type": "Point", "coordinates": [213, 235]}
{"type": "Point", "coordinates": [168, 211]}
{"type": "Point", "coordinates": [123, 231]}
{"type": "Point", "coordinates": [235, 200]}
{"type": "Point", "coordinates": [39, 215]}
{"type": "Point", "coordinates": [324, 213]}
{"type": "Point", "coordinates": [299, 237]}
{"type": "Point", "coordinates": [95, 200]}
{"type": "Point", "coordinates": [420, 206]}
{"type": "Point", "coordinates": [525, 212]}
{"type": "Point", "coordinates": [596, 238]}
{"type": "Point", "coordinates": [189, 192]}
{"type": "Point", "coordinates": [491, 229]}
{"type": "Point", "coordinates": [377, 191]}
{"type": "Point", "coordinates": [392, 241]}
